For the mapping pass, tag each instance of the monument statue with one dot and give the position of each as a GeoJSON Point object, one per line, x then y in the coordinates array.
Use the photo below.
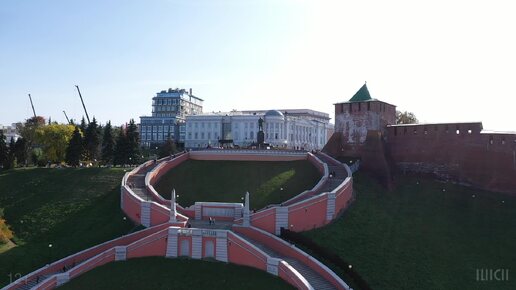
{"type": "Point", "coordinates": [260, 136]}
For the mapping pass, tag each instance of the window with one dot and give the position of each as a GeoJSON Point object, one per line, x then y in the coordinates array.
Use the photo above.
{"type": "Point", "coordinates": [189, 135]}
{"type": "Point", "coordinates": [369, 106]}
{"type": "Point", "coordinates": [209, 135]}
{"type": "Point", "coordinates": [196, 136]}
{"type": "Point", "coordinates": [359, 107]}
{"type": "Point", "coordinates": [276, 136]}
{"type": "Point", "coordinates": [202, 135]}
{"type": "Point", "coordinates": [251, 135]}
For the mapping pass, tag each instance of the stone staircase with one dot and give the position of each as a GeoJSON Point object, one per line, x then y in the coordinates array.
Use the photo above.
{"type": "Point", "coordinates": [316, 280]}
{"type": "Point", "coordinates": [333, 182]}
{"type": "Point", "coordinates": [137, 182]}
{"type": "Point", "coordinates": [33, 283]}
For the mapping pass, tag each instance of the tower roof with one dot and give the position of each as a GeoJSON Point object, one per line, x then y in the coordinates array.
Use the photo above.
{"type": "Point", "coordinates": [362, 95]}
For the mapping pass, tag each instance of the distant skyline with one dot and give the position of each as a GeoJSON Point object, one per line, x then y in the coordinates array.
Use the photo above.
{"type": "Point", "coordinates": [446, 61]}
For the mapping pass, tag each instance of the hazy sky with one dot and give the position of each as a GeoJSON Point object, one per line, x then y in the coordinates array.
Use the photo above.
{"type": "Point", "coordinates": [445, 61]}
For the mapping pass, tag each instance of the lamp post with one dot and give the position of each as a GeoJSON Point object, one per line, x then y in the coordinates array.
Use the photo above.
{"type": "Point", "coordinates": [50, 253]}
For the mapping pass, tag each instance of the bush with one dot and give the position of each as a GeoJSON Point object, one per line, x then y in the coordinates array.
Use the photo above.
{"type": "Point", "coordinates": [5, 233]}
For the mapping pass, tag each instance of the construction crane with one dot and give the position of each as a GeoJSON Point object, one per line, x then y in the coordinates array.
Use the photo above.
{"type": "Point", "coordinates": [66, 117]}
{"type": "Point", "coordinates": [32, 105]}
{"type": "Point", "coordinates": [82, 101]}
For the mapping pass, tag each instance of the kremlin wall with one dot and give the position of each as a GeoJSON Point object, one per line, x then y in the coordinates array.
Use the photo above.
{"type": "Point", "coordinates": [464, 153]}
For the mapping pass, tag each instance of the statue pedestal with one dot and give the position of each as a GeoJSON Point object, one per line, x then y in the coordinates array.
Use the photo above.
{"type": "Point", "coordinates": [260, 138]}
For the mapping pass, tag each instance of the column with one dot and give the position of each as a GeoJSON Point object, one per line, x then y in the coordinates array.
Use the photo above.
{"type": "Point", "coordinates": [173, 210]}
{"type": "Point", "coordinates": [246, 222]}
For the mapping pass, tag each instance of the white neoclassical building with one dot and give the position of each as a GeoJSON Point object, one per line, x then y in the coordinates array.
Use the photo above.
{"type": "Point", "coordinates": [292, 129]}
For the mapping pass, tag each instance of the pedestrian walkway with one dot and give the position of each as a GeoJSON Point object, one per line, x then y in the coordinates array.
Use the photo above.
{"type": "Point", "coordinates": [316, 281]}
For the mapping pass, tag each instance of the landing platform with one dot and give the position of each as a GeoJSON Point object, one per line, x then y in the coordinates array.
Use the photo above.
{"type": "Point", "coordinates": [218, 225]}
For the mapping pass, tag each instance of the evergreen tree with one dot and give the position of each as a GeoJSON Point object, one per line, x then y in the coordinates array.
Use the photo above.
{"type": "Point", "coordinates": [83, 125]}
{"type": "Point", "coordinates": [92, 140]}
{"type": "Point", "coordinates": [75, 148]}
{"type": "Point", "coordinates": [11, 159]}
{"type": "Point", "coordinates": [133, 143]}
{"type": "Point", "coordinates": [20, 151]}
{"type": "Point", "coordinates": [108, 144]}
{"type": "Point", "coordinates": [120, 156]}
{"type": "Point", "coordinates": [4, 151]}
{"type": "Point", "coordinates": [168, 148]}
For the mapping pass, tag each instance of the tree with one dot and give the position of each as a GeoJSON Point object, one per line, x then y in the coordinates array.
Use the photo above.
{"type": "Point", "coordinates": [120, 153]}
{"type": "Point", "coordinates": [406, 118]}
{"type": "Point", "coordinates": [92, 140]}
{"type": "Point", "coordinates": [74, 149]}
{"type": "Point", "coordinates": [28, 131]}
{"type": "Point", "coordinates": [168, 148]}
{"type": "Point", "coordinates": [4, 151]}
{"type": "Point", "coordinates": [108, 144]}
{"type": "Point", "coordinates": [54, 139]}
{"type": "Point", "coordinates": [83, 125]}
{"type": "Point", "coordinates": [11, 158]}
{"type": "Point", "coordinates": [133, 143]}
{"type": "Point", "coordinates": [20, 151]}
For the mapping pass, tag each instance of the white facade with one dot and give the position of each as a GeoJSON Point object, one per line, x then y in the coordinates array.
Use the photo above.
{"type": "Point", "coordinates": [10, 132]}
{"type": "Point", "coordinates": [281, 130]}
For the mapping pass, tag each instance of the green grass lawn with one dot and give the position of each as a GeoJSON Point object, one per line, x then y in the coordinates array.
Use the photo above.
{"type": "Point", "coordinates": [421, 237]}
{"type": "Point", "coordinates": [72, 209]}
{"type": "Point", "coordinates": [162, 273]}
{"type": "Point", "coordinates": [227, 181]}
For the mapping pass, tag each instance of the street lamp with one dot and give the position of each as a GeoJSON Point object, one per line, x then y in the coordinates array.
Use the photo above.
{"type": "Point", "coordinates": [50, 253]}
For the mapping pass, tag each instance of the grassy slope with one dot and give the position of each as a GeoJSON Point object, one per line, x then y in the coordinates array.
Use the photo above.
{"type": "Point", "coordinates": [227, 181]}
{"type": "Point", "coordinates": [419, 237]}
{"type": "Point", "coordinates": [162, 273]}
{"type": "Point", "coordinates": [72, 209]}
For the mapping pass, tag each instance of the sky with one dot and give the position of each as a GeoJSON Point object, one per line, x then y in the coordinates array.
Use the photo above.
{"type": "Point", "coordinates": [446, 61]}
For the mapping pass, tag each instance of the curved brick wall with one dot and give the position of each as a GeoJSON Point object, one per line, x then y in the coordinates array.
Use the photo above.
{"type": "Point", "coordinates": [307, 210]}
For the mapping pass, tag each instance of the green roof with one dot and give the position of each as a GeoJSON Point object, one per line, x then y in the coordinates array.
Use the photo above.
{"type": "Point", "coordinates": [362, 95]}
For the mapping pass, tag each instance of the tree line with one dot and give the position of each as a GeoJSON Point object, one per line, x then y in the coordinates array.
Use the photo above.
{"type": "Point", "coordinates": [43, 143]}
